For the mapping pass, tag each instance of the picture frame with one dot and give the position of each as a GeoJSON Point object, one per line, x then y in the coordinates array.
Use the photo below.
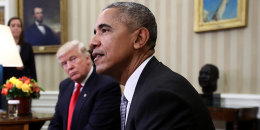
{"type": "Point", "coordinates": [2, 15]}
{"type": "Point", "coordinates": [54, 17]}
{"type": "Point", "coordinates": [211, 15]}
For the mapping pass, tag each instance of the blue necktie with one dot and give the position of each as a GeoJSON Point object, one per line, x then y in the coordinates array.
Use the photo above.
{"type": "Point", "coordinates": [123, 106]}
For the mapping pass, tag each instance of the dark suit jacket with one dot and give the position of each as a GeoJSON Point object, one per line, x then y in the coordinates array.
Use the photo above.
{"type": "Point", "coordinates": [164, 100]}
{"type": "Point", "coordinates": [34, 36]}
{"type": "Point", "coordinates": [97, 108]}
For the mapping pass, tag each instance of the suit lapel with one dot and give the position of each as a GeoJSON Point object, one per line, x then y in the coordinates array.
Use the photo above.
{"type": "Point", "coordinates": [37, 30]}
{"type": "Point", "coordinates": [83, 97]}
{"type": "Point", "coordinates": [67, 93]}
{"type": "Point", "coordinates": [85, 92]}
{"type": "Point", "coordinates": [138, 88]}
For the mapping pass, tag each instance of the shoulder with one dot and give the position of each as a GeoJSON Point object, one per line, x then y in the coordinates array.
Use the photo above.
{"type": "Point", "coordinates": [161, 82]}
{"type": "Point", "coordinates": [33, 26]}
{"type": "Point", "coordinates": [106, 78]}
{"type": "Point", "coordinates": [26, 46]}
{"type": "Point", "coordinates": [66, 81]}
{"type": "Point", "coordinates": [99, 78]}
{"type": "Point", "coordinates": [103, 82]}
{"type": "Point", "coordinates": [159, 79]}
{"type": "Point", "coordinates": [47, 27]}
{"type": "Point", "coordinates": [159, 73]}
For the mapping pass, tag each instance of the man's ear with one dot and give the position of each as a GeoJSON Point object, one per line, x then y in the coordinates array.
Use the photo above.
{"type": "Point", "coordinates": [142, 37]}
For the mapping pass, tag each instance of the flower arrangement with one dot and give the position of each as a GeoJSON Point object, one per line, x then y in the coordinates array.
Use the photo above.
{"type": "Point", "coordinates": [21, 87]}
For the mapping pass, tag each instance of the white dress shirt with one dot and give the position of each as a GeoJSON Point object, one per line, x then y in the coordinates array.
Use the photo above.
{"type": "Point", "coordinates": [19, 48]}
{"type": "Point", "coordinates": [131, 84]}
{"type": "Point", "coordinates": [41, 28]}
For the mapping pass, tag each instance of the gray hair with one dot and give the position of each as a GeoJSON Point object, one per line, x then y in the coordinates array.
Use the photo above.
{"type": "Point", "coordinates": [70, 45]}
{"type": "Point", "coordinates": [135, 16]}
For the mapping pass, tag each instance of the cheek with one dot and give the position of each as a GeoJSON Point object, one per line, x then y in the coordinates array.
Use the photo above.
{"type": "Point", "coordinates": [109, 47]}
{"type": "Point", "coordinates": [117, 46]}
{"type": "Point", "coordinates": [83, 67]}
{"type": "Point", "coordinates": [12, 30]}
{"type": "Point", "coordinates": [16, 31]}
{"type": "Point", "coordinates": [66, 70]}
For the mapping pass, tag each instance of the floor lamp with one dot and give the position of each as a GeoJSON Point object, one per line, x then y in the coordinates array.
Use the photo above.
{"type": "Point", "coordinates": [9, 55]}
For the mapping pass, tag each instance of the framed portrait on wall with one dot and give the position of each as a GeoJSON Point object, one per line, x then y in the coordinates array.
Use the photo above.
{"type": "Point", "coordinates": [45, 23]}
{"type": "Point", "coordinates": [219, 14]}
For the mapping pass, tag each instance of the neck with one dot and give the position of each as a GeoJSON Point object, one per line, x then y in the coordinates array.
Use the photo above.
{"type": "Point", "coordinates": [136, 61]}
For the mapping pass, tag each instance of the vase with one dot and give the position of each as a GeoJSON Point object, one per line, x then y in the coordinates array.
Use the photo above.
{"type": "Point", "coordinates": [24, 107]}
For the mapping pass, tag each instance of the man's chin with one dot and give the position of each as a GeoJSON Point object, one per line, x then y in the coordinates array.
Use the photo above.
{"type": "Point", "coordinates": [99, 70]}
{"type": "Point", "coordinates": [75, 78]}
{"type": "Point", "coordinates": [39, 21]}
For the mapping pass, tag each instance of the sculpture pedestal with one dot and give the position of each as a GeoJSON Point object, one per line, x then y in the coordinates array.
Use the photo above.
{"type": "Point", "coordinates": [211, 99]}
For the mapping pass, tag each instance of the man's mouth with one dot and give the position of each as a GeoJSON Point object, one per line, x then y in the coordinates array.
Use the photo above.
{"type": "Point", "coordinates": [97, 54]}
{"type": "Point", "coordinates": [72, 74]}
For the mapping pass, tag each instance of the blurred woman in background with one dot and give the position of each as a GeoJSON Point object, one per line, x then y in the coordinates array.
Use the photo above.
{"type": "Point", "coordinates": [26, 53]}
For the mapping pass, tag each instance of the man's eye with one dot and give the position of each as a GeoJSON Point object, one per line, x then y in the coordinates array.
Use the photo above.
{"type": "Point", "coordinates": [73, 59]}
{"type": "Point", "coordinates": [104, 30]}
{"type": "Point", "coordinates": [63, 63]}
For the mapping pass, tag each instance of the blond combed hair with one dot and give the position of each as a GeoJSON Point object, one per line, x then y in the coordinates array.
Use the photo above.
{"type": "Point", "coordinates": [70, 45]}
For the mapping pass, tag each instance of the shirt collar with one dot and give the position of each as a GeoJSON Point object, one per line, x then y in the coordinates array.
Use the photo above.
{"type": "Point", "coordinates": [37, 23]}
{"type": "Point", "coordinates": [85, 80]}
{"type": "Point", "coordinates": [133, 79]}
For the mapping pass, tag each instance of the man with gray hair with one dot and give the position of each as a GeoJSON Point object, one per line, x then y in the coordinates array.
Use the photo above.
{"type": "Point", "coordinates": [155, 97]}
{"type": "Point", "coordinates": [86, 100]}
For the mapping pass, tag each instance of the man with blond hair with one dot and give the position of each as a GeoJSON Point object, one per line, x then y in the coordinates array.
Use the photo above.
{"type": "Point", "coordinates": [86, 100]}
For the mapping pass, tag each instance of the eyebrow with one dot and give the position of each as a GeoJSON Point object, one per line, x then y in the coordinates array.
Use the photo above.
{"type": "Point", "coordinates": [101, 26]}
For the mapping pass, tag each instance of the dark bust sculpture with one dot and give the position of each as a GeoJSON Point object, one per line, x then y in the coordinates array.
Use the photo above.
{"type": "Point", "coordinates": [208, 78]}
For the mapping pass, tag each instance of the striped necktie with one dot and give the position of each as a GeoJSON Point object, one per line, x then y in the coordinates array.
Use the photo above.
{"type": "Point", "coordinates": [123, 106]}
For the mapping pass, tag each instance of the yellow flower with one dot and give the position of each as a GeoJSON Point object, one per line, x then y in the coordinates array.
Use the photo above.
{"type": "Point", "coordinates": [26, 88]}
{"type": "Point", "coordinates": [19, 84]}
{"type": "Point", "coordinates": [13, 80]}
{"type": "Point", "coordinates": [20, 87]}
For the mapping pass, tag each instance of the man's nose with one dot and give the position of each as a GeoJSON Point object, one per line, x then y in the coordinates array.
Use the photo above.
{"type": "Point", "coordinates": [95, 42]}
{"type": "Point", "coordinates": [69, 66]}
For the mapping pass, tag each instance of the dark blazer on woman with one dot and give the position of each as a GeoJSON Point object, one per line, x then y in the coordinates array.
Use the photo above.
{"type": "Point", "coordinates": [164, 100]}
{"type": "Point", "coordinates": [97, 108]}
